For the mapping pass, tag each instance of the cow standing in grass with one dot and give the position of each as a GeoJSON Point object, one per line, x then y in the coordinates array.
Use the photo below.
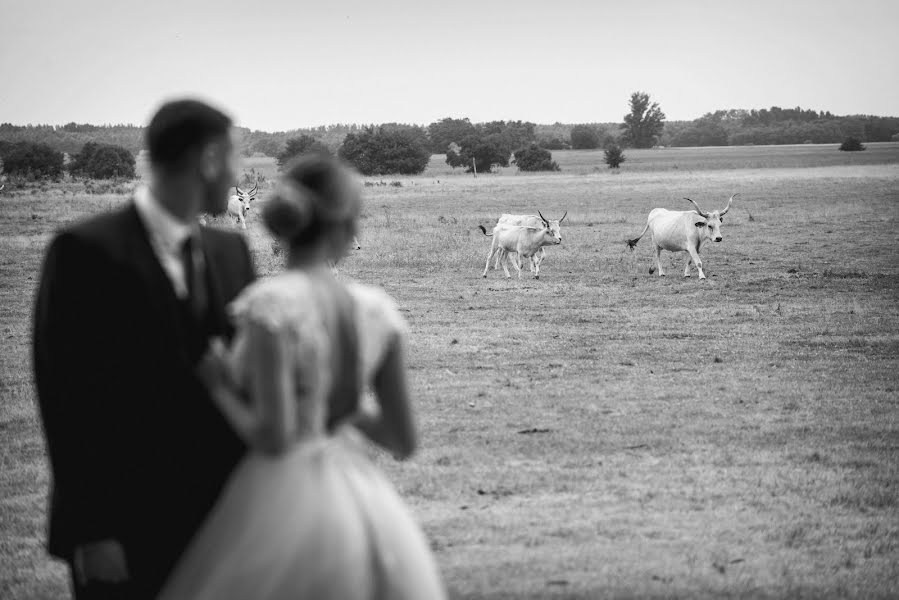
{"type": "Point", "coordinates": [529, 221]}
{"type": "Point", "coordinates": [239, 204]}
{"type": "Point", "coordinates": [521, 240]}
{"type": "Point", "coordinates": [682, 231]}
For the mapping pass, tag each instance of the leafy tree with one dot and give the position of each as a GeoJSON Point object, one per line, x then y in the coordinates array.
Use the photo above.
{"type": "Point", "coordinates": [32, 161]}
{"type": "Point", "coordinates": [706, 131]}
{"type": "Point", "coordinates": [584, 137]}
{"type": "Point", "coordinates": [535, 158]}
{"type": "Point", "coordinates": [644, 123]}
{"type": "Point", "coordinates": [296, 146]}
{"type": "Point", "coordinates": [613, 156]}
{"type": "Point", "coordinates": [268, 146]}
{"type": "Point", "coordinates": [486, 151]}
{"type": "Point", "coordinates": [103, 161]}
{"type": "Point", "coordinates": [513, 134]}
{"type": "Point", "coordinates": [851, 144]}
{"type": "Point", "coordinates": [553, 143]}
{"type": "Point", "coordinates": [387, 149]}
{"type": "Point", "coordinates": [446, 131]}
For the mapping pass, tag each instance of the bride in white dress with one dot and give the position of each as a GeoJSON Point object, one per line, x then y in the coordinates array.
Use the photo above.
{"type": "Point", "coordinates": [306, 514]}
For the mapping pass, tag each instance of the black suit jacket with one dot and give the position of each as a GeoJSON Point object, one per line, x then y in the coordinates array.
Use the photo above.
{"type": "Point", "coordinates": [137, 449]}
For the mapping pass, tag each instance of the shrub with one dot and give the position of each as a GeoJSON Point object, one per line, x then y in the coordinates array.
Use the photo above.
{"type": "Point", "coordinates": [613, 156]}
{"type": "Point", "coordinates": [32, 161]}
{"type": "Point", "coordinates": [485, 149]}
{"type": "Point", "coordinates": [584, 137]}
{"type": "Point", "coordinates": [384, 150]}
{"type": "Point", "coordinates": [103, 161]}
{"type": "Point", "coordinates": [554, 143]}
{"type": "Point", "coordinates": [851, 144]}
{"type": "Point", "coordinates": [296, 146]}
{"type": "Point", "coordinates": [535, 158]}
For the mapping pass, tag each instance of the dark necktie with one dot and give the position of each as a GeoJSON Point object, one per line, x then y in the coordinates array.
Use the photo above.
{"type": "Point", "coordinates": [193, 276]}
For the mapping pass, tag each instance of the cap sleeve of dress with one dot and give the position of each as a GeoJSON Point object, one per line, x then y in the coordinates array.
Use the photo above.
{"type": "Point", "coordinates": [378, 322]}
{"type": "Point", "coordinates": [283, 305]}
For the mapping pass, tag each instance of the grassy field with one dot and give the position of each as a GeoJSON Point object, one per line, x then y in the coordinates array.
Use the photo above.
{"type": "Point", "coordinates": [601, 432]}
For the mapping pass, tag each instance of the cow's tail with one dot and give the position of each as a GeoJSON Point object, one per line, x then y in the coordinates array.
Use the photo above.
{"type": "Point", "coordinates": [481, 227]}
{"type": "Point", "coordinates": [632, 243]}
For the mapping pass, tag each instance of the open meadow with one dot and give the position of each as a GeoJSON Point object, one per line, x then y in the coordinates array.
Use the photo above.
{"type": "Point", "coordinates": [599, 432]}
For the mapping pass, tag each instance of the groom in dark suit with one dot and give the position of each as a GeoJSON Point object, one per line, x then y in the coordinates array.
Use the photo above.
{"type": "Point", "coordinates": [126, 304]}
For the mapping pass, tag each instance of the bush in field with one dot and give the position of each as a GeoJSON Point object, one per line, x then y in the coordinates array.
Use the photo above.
{"type": "Point", "coordinates": [613, 156]}
{"type": "Point", "coordinates": [584, 137]}
{"type": "Point", "coordinates": [851, 144]}
{"type": "Point", "coordinates": [554, 143]}
{"type": "Point", "coordinates": [103, 161]}
{"type": "Point", "coordinates": [296, 146]}
{"type": "Point", "coordinates": [32, 160]}
{"type": "Point", "coordinates": [480, 152]}
{"type": "Point", "coordinates": [535, 158]}
{"type": "Point", "coordinates": [447, 131]}
{"type": "Point", "coordinates": [386, 149]}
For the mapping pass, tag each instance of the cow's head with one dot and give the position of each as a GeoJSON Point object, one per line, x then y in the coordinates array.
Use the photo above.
{"type": "Point", "coordinates": [245, 197]}
{"type": "Point", "coordinates": [556, 225]}
{"type": "Point", "coordinates": [711, 225]}
{"type": "Point", "coordinates": [551, 230]}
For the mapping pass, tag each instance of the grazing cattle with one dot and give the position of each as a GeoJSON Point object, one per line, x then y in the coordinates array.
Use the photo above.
{"type": "Point", "coordinates": [239, 204]}
{"type": "Point", "coordinates": [682, 231]}
{"type": "Point", "coordinates": [529, 221]}
{"type": "Point", "coordinates": [522, 240]}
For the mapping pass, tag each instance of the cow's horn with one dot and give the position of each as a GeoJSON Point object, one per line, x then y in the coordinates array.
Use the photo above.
{"type": "Point", "coordinates": [727, 208]}
{"type": "Point", "coordinates": [704, 215]}
{"type": "Point", "coordinates": [545, 222]}
{"type": "Point", "coordinates": [563, 216]}
{"type": "Point", "coordinates": [253, 191]}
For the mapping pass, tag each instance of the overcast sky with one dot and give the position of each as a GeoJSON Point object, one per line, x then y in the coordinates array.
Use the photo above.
{"type": "Point", "coordinates": [282, 65]}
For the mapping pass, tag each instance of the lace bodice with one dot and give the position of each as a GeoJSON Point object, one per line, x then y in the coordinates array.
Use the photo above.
{"type": "Point", "coordinates": [296, 307]}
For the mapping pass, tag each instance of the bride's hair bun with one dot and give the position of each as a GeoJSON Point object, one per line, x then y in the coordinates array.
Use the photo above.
{"type": "Point", "coordinates": [315, 193]}
{"type": "Point", "coordinates": [289, 211]}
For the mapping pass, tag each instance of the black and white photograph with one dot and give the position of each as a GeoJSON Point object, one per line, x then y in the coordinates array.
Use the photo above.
{"type": "Point", "coordinates": [416, 300]}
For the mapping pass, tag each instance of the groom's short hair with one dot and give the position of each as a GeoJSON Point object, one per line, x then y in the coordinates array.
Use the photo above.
{"type": "Point", "coordinates": [181, 127]}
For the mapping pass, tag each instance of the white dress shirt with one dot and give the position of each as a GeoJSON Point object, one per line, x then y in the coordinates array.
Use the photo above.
{"type": "Point", "coordinates": [167, 235]}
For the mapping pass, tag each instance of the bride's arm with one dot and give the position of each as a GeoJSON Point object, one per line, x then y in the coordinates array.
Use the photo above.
{"type": "Point", "coordinates": [393, 426]}
{"type": "Point", "coordinates": [267, 421]}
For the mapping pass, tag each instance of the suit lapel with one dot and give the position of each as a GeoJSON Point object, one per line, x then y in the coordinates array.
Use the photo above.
{"type": "Point", "coordinates": [159, 287]}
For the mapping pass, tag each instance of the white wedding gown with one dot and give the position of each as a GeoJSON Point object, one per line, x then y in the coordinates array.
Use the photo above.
{"type": "Point", "coordinates": [319, 521]}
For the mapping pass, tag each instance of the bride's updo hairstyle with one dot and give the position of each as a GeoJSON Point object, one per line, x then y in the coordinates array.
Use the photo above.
{"type": "Point", "coordinates": [315, 197]}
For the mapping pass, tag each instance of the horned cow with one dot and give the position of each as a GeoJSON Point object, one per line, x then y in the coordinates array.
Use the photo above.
{"type": "Point", "coordinates": [522, 240]}
{"type": "Point", "coordinates": [529, 221]}
{"type": "Point", "coordinates": [239, 204]}
{"type": "Point", "coordinates": [682, 231]}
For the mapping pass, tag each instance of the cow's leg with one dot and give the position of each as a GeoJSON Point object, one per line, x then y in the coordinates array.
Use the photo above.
{"type": "Point", "coordinates": [490, 253]}
{"type": "Point", "coordinates": [536, 264]}
{"type": "Point", "coordinates": [506, 258]}
{"type": "Point", "coordinates": [487, 266]}
{"type": "Point", "coordinates": [696, 261]}
{"type": "Point", "coordinates": [658, 262]}
{"type": "Point", "coordinates": [517, 263]}
{"type": "Point", "coordinates": [499, 258]}
{"type": "Point", "coordinates": [687, 266]}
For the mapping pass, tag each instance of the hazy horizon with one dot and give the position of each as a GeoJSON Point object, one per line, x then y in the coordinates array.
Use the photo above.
{"type": "Point", "coordinates": [278, 66]}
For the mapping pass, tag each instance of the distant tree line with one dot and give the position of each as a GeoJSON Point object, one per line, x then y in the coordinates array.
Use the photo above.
{"type": "Point", "coordinates": [739, 127]}
{"type": "Point", "coordinates": [102, 150]}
